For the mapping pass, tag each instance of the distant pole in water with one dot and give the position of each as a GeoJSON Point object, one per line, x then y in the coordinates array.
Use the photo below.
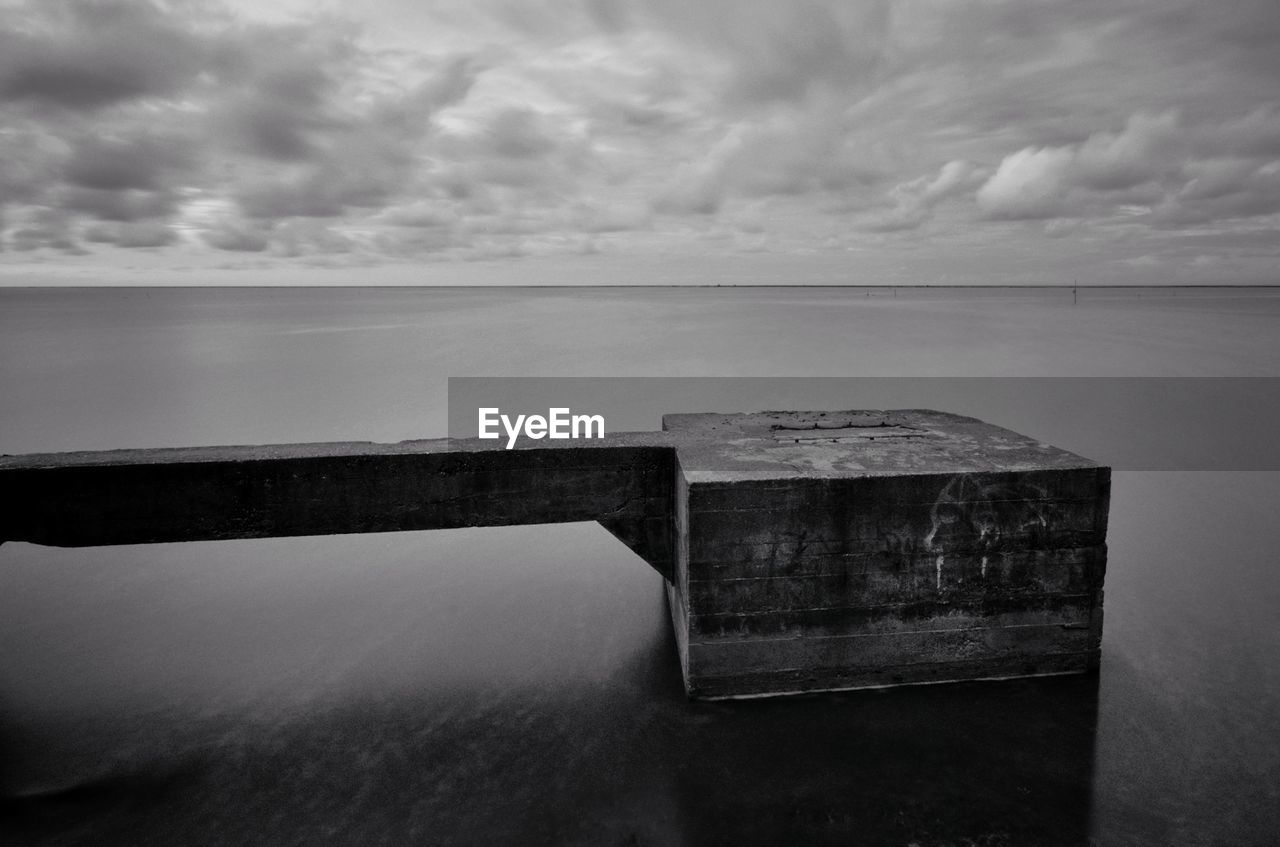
{"type": "Point", "coordinates": [1074, 300]}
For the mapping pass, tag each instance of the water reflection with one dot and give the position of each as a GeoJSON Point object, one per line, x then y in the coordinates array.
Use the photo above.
{"type": "Point", "coordinates": [520, 685]}
{"type": "Point", "coordinates": [624, 759]}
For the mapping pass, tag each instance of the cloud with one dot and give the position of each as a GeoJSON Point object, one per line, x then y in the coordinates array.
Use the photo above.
{"type": "Point", "coordinates": [398, 130]}
{"type": "Point", "coordinates": [698, 187]}
{"type": "Point", "coordinates": [1031, 183]}
{"type": "Point", "coordinates": [420, 214]}
{"type": "Point", "coordinates": [1223, 189]}
{"type": "Point", "coordinates": [312, 192]}
{"type": "Point", "coordinates": [309, 238]}
{"type": "Point", "coordinates": [595, 218]}
{"type": "Point", "coordinates": [42, 227]}
{"type": "Point", "coordinates": [780, 52]}
{"type": "Point", "coordinates": [1156, 168]}
{"type": "Point", "coordinates": [913, 201]}
{"type": "Point", "coordinates": [236, 237]}
{"type": "Point", "coordinates": [158, 103]}
{"type": "Point", "coordinates": [1256, 134]}
{"type": "Point", "coordinates": [1114, 161]}
{"type": "Point", "coordinates": [125, 204]}
{"type": "Point", "coordinates": [516, 134]}
{"type": "Point", "coordinates": [1106, 169]}
{"type": "Point", "coordinates": [792, 153]}
{"type": "Point", "coordinates": [144, 234]}
{"type": "Point", "coordinates": [115, 164]}
{"type": "Point", "coordinates": [29, 161]}
{"type": "Point", "coordinates": [87, 55]}
{"type": "Point", "coordinates": [279, 90]}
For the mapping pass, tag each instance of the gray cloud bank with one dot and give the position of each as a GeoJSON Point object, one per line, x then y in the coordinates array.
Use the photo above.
{"type": "Point", "coordinates": [1146, 130]}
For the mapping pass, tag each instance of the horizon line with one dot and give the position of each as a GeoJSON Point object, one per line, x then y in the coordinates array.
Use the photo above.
{"type": "Point", "coordinates": [456, 286]}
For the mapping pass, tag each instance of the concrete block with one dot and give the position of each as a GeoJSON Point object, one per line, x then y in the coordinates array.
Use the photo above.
{"type": "Point", "coordinates": [829, 550]}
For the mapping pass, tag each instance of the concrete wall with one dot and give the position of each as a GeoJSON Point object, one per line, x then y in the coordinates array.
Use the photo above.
{"type": "Point", "coordinates": [135, 497]}
{"type": "Point", "coordinates": [804, 584]}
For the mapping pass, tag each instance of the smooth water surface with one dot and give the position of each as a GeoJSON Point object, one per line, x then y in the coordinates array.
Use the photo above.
{"type": "Point", "coordinates": [519, 685]}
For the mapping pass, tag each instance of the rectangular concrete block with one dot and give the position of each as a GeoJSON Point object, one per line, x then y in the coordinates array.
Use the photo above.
{"type": "Point", "coordinates": [832, 550]}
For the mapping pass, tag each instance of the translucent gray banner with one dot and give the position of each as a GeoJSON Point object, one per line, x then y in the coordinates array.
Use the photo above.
{"type": "Point", "coordinates": [1129, 423]}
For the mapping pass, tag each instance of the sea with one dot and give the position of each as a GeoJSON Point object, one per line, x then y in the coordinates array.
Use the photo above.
{"type": "Point", "coordinates": [519, 685]}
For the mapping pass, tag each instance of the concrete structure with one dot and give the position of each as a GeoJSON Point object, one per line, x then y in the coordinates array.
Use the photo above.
{"type": "Point", "coordinates": [832, 550]}
{"type": "Point", "coordinates": [802, 551]}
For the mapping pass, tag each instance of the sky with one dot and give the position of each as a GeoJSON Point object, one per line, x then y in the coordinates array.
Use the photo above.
{"type": "Point", "coordinates": [640, 141]}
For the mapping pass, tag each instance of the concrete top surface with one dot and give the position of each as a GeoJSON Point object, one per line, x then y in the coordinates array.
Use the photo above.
{"type": "Point", "coordinates": [854, 443]}
{"type": "Point", "coordinates": [317, 450]}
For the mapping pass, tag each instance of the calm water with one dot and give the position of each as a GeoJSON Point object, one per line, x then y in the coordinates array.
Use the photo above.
{"type": "Point", "coordinates": [519, 684]}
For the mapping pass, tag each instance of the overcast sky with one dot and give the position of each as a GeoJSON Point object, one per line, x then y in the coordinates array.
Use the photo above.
{"type": "Point", "coordinates": [918, 141]}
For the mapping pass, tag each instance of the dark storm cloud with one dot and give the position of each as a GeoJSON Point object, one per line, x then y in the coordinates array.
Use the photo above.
{"type": "Point", "coordinates": [361, 162]}
{"type": "Point", "coordinates": [128, 204]}
{"type": "Point", "coordinates": [115, 164]}
{"type": "Point", "coordinates": [279, 90]}
{"type": "Point", "coordinates": [86, 55]}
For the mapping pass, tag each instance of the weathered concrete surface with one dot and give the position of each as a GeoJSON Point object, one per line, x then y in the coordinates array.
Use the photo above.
{"type": "Point", "coordinates": [802, 550]}
{"type": "Point", "coordinates": [847, 549]}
